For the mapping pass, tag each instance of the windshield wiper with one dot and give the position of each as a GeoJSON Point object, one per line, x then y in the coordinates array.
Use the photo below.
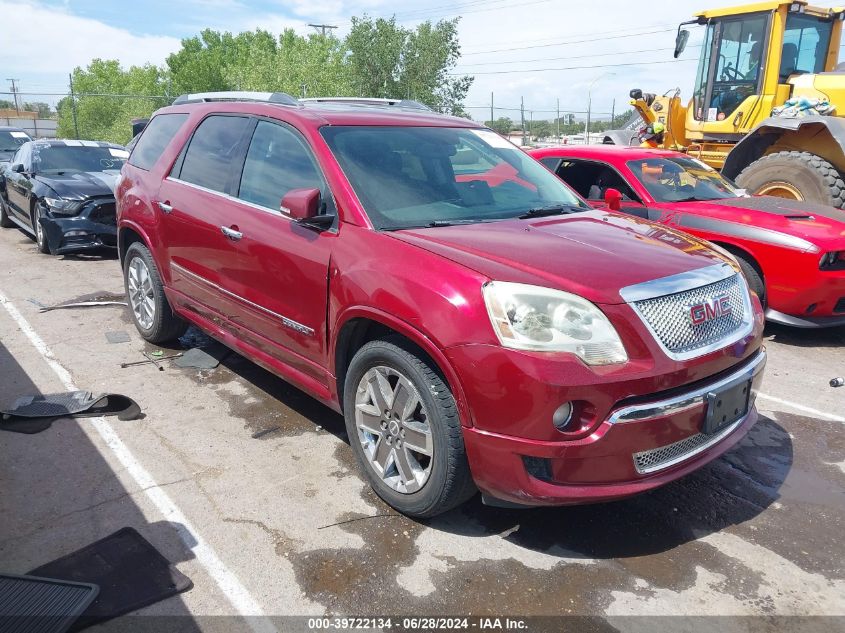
{"type": "Point", "coordinates": [555, 209]}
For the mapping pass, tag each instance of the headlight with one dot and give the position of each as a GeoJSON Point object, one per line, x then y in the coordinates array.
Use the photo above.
{"type": "Point", "coordinates": [537, 318]}
{"type": "Point", "coordinates": [834, 260]}
{"type": "Point", "coordinates": [63, 207]}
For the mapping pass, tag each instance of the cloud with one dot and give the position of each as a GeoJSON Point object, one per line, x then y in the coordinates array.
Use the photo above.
{"type": "Point", "coordinates": [51, 40]}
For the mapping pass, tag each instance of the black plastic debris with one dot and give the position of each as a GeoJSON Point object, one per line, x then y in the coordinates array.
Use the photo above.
{"type": "Point", "coordinates": [31, 604]}
{"type": "Point", "coordinates": [33, 414]}
{"type": "Point", "coordinates": [202, 358]}
{"type": "Point", "coordinates": [130, 572]}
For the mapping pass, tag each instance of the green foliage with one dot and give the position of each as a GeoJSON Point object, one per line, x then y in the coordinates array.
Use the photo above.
{"type": "Point", "coordinates": [6, 105]}
{"type": "Point", "coordinates": [502, 125]}
{"type": "Point", "coordinates": [378, 58]}
{"type": "Point", "coordinates": [43, 109]}
{"type": "Point", "coordinates": [106, 118]}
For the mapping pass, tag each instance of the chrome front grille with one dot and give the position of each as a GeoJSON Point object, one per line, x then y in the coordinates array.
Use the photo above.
{"type": "Point", "coordinates": [667, 307]}
{"type": "Point", "coordinates": [659, 458]}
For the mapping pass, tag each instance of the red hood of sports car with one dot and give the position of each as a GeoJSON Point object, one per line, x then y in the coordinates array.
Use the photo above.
{"type": "Point", "coordinates": [816, 223]}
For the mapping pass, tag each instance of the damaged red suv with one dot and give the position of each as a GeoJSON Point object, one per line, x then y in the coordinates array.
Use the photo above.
{"type": "Point", "coordinates": [477, 324]}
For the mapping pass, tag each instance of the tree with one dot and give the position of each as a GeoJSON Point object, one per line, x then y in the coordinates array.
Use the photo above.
{"type": "Point", "coordinates": [502, 125]}
{"type": "Point", "coordinates": [387, 60]}
{"type": "Point", "coordinates": [43, 109]}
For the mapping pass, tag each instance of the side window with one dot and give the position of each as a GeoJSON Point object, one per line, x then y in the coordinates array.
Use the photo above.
{"type": "Point", "coordinates": [154, 139]}
{"type": "Point", "coordinates": [551, 163]}
{"type": "Point", "coordinates": [277, 161]}
{"type": "Point", "coordinates": [212, 152]}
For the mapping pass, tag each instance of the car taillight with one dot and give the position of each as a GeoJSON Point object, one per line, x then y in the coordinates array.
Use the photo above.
{"type": "Point", "coordinates": [835, 260]}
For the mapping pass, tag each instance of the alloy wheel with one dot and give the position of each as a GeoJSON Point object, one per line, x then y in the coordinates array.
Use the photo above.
{"type": "Point", "coordinates": [141, 296]}
{"type": "Point", "coordinates": [394, 430]}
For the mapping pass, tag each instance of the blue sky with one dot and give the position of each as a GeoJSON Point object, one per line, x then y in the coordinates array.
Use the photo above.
{"type": "Point", "coordinates": [586, 42]}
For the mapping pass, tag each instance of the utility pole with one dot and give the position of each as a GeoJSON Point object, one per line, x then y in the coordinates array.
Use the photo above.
{"type": "Point", "coordinates": [613, 113]}
{"type": "Point", "coordinates": [557, 136]}
{"type": "Point", "coordinates": [491, 110]}
{"type": "Point", "coordinates": [522, 117]}
{"type": "Point", "coordinates": [530, 124]}
{"type": "Point", "coordinates": [322, 28]}
{"type": "Point", "coordinates": [14, 93]}
{"type": "Point", "coordinates": [73, 105]}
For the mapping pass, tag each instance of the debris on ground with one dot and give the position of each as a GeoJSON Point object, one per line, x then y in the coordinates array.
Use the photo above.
{"type": "Point", "coordinates": [202, 358]}
{"type": "Point", "coordinates": [119, 336]}
{"type": "Point", "coordinates": [149, 361]}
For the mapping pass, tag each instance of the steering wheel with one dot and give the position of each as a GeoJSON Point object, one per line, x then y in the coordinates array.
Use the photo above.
{"type": "Point", "coordinates": [729, 73]}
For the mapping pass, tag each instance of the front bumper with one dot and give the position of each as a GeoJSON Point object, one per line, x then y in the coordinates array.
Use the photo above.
{"type": "Point", "coordinates": [636, 448]}
{"type": "Point", "coordinates": [94, 228]}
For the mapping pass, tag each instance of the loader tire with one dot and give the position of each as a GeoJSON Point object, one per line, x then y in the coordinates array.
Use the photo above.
{"type": "Point", "coordinates": [795, 175]}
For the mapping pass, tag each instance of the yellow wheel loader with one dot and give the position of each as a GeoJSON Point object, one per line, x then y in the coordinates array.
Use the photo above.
{"type": "Point", "coordinates": [755, 59]}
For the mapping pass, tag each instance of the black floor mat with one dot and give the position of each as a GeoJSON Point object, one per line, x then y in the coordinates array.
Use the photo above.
{"type": "Point", "coordinates": [131, 574]}
{"type": "Point", "coordinates": [41, 605]}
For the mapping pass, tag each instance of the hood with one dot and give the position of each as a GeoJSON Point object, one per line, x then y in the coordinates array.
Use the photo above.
{"type": "Point", "coordinates": [593, 254]}
{"type": "Point", "coordinates": [818, 224]}
{"type": "Point", "coordinates": [790, 209]}
{"type": "Point", "coordinates": [79, 185]}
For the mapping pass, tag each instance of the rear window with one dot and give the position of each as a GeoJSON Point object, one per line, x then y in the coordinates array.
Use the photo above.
{"type": "Point", "coordinates": [155, 138]}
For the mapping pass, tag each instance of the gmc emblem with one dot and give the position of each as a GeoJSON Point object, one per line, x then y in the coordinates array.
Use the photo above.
{"type": "Point", "coordinates": [708, 310]}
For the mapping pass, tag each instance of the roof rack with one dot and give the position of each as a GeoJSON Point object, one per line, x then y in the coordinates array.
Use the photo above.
{"type": "Point", "coordinates": [237, 95]}
{"type": "Point", "coordinates": [374, 101]}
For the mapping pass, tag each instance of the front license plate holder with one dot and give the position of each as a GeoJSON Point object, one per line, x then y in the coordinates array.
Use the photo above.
{"type": "Point", "coordinates": [726, 406]}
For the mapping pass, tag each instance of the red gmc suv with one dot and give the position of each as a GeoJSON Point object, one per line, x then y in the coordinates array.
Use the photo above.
{"type": "Point", "coordinates": [477, 324]}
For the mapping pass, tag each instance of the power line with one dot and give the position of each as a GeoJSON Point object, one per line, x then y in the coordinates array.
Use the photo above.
{"type": "Point", "coordinates": [592, 39]}
{"type": "Point", "coordinates": [459, 12]}
{"type": "Point", "coordinates": [542, 70]}
{"type": "Point", "coordinates": [550, 59]}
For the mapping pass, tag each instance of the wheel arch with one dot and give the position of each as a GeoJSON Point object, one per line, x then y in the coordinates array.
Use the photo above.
{"type": "Point", "coordinates": [823, 136]}
{"type": "Point", "coordinates": [743, 252]}
{"type": "Point", "coordinates": [358, 326]}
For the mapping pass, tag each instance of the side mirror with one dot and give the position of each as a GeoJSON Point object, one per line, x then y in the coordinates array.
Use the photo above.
{"type": "Point", "coordinates": [303, 206]}
{"type": "Point", "coordinates": [613, 199]}
{"type": "Point", "coordinates": [17, 168]}
{"type": "Point", "coordinates": [681, 40]}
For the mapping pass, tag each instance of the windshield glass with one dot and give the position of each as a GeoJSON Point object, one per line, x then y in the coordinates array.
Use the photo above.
{"type": "Point", "coordinates": [676, 179]}
{"type": "Point", "coordinates": [47, 157]}
{"type": "Point", "coordinates": [415, 176]}
{"type": "Point", "coordinates": [11, 141]}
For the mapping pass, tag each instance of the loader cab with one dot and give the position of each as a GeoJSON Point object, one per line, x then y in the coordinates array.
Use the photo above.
{"type": "Point", "coordinates": [747, 56]}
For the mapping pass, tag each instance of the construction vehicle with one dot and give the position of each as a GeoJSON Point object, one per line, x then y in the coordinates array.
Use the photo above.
{"type": "Point", "coordinates": [754, 59]}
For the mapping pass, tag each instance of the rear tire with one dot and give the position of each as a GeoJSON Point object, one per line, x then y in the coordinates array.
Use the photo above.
{"type": "Point", "coordinates": [5, 221]}
{"type": "Point", "coordinates": [418, 483]}
{"type": "Point", "coordinates": [795, 175]}
{"type": "Point", "coordinates": [148, 305]}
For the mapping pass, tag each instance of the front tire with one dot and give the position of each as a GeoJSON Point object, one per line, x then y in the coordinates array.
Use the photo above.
{"type": "Point", "coordinates": [151, 312]}
{"type": "Point", "coordinates": [755, 280]}
{"type": "Point", "coordinates": [40, 236]}
{"type": "Point", "coordinates": [796, 176]}
{"type": "Point", "coordinates": [404, 429]}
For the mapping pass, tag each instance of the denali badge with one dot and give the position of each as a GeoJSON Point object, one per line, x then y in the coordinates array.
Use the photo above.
{"type": "Point", "coordinates": [708, 310]}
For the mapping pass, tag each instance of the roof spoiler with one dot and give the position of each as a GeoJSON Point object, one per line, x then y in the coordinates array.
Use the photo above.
{"type": "Point", "coordinates": [237, 95]}
{"type": "Point", "coordinates": [374, 101]}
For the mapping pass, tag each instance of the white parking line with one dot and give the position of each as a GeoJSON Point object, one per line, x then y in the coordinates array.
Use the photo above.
{"type": "Point", "coordinates": [800, 407]}
{"type": "Point", "coordinates": [237, 595]}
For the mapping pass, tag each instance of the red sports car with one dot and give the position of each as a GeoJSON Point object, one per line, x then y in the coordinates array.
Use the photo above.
{"type": "Point", "coordinates": [792, 252]}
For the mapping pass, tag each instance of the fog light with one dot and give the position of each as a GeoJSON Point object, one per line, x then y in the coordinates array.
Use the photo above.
{"type": "Point", "coordinates": [76, 233]}
{"type": "Point", "coordinates": [562, 416]}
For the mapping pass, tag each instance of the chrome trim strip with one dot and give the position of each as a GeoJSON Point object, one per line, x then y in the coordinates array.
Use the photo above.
{"type": "Point", "coordinates": [289, 323]}
{"type": "Point", "coordinates": [226, 196]}
{"type": "Point", "coordinates": [690, 399]}
{"type": "Point", "coordinates": [691, 453]}
{"type": "Point", "coordinates": [674, 284]}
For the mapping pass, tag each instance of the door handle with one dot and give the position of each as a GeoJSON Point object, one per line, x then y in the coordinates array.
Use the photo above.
{"type": "Point", "coordinates": [232, 233]}
{"type": "Point", "coordinates": [166, 208]}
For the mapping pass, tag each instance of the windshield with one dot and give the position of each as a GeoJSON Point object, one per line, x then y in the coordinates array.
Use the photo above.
{"type": "Point", "coordinates": [11, 141]}
{"type": "Point", "coordinates": [677, 179]}
{"type": "Point", "coordinates": [418, 176]}
{"type": "Point", "coordinates": [60, 158]}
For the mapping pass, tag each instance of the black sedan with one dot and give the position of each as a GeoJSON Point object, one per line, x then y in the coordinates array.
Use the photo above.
{"type": "Point", "coordinates": [11, 139]}
{"type": "Point", "coordinates": [62, 193]}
